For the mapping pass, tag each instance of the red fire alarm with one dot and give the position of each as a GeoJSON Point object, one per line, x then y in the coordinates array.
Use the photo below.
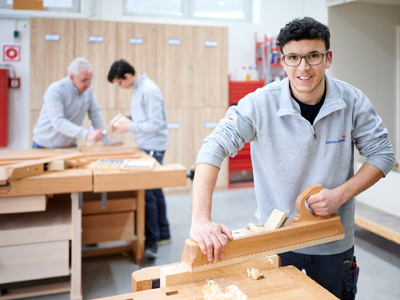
{"type": "Point", "coordinates": [13, 83]}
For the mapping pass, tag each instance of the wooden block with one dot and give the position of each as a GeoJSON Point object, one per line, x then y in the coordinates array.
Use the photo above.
{"type": "Point", "coordinates": [177, 274]}
{"type": "Point", "coordinates": [28, 4]}
{"type": "Point", "coordinates": [57, 165]}
{"type": "Point", "coordinates": [248, 245]}
{"type": "Point", "coordinates": [23, 204]}
{"type": "Point", "coordinates": [275, 220]}
{"type": "Point", "coordinates": [147, 278]}
{"type": "Point", "coordinates": [34, 261]}
{"type": "Point", "coordinates": [107, 227]}
{"type": "Point", "coordinates": [54, 224]}
{"type": "Point", "coordinates": [115, 121]}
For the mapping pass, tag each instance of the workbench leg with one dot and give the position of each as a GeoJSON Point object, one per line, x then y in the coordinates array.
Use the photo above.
{"type": "Point", "coordinates": [140, 229]}
{"type": "Point", "coordinates": [76, 249]}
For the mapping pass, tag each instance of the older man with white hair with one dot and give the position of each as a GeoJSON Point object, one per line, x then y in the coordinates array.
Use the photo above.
{"type": "Point", "coordinates": [65, 104]}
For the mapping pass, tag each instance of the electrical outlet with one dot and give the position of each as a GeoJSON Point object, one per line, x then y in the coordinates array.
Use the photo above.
{"type": "Point", "coordinates": [14, 83]}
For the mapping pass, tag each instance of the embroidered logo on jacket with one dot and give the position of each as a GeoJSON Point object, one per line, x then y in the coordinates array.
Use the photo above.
{"type": "Point", "coordinates": [343, 139]}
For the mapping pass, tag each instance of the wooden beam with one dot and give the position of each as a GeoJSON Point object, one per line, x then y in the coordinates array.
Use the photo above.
{"type": "Point", "coordinates": [13, 205]}
{"type": "Point", "coordinates": [177, 274]}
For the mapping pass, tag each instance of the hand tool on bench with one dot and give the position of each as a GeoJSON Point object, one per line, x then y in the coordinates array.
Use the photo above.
{"type": "Point", "coordinates": [304, 230]}
{"type": "Point", "coordinates": [35, 167]}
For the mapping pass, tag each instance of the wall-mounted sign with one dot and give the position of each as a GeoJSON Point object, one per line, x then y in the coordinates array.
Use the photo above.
{"type": "Point", "coordinates": [52, 37]}
{"type": "Point", "coordinates": [95, 38]}
{"type": "Point", "coordinates": [136, 41]}
{"type": "Point", "coordinates": [11, 52]}
{"type": "Point", "coordinates": [174, 125]}
{"type": "Point", "coordinates": [176, 42]}
{"type": "Point", "coordinates": [210, 43]}
{"type": "Point", "coordinates": [210, 125]}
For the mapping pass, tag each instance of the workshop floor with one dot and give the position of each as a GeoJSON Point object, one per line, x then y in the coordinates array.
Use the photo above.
{"type": "Point", "coordinates": [378, 258]}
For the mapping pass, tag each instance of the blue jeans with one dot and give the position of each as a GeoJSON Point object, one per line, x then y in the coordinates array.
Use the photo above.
{"type": "Point", "coordinates": [338, 273]}
{"type": "Point", "coordinates": [156, 222]}
{"type": "Point", "coordinates": [36, 146]}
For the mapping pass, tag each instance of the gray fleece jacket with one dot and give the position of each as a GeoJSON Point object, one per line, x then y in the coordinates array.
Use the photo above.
{"type": "Point", "coordinates": [148, 115]}
{"type": "Point", "coordinates": [288, 153]}
{"type": "Point", "coordinates": [62, 114]}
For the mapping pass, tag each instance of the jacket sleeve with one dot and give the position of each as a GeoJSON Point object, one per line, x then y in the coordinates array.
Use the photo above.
{"type": "Point", "coordinates": [369, 138]}
{"type": "Point", "coordinates": [55, 107]}
{"type": "Point", "coordinates": [230, 135]}
{"type": "Point", "coordinates": [153, 103]}
{"type": "Point", "coordinates": [95, 116]}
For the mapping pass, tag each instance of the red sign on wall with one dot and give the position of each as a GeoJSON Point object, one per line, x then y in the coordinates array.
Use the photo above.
{"type": "Point", "coordinates": [11, 52]}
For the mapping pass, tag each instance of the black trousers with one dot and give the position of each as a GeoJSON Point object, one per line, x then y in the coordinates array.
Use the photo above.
{"type": "Point", "coordinates": [338, 273]}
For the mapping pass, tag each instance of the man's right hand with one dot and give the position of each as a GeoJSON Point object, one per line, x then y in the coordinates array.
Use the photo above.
{"type": "Point", "coordinates": [209, 236]}
{"type": "Point", "coordinates": [95, 135]}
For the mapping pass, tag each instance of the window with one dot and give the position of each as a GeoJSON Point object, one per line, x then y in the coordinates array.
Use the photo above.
{"type": "Point", "coordinates": [239, 10]}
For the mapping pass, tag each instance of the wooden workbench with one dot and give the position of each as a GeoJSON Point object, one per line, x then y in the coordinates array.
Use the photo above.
{"type": "Point", "coordinates": [42, 215]}
{"type": "Point", "coordinates": [279, 283]}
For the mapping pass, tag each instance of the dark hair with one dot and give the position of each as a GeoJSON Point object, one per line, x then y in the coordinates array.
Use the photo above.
{"type": "Point", "coordinates": [303, 29]}
{"type": "Point", "coordinates": [118, 70]}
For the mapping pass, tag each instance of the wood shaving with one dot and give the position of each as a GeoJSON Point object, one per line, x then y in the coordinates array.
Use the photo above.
{"type": "Point", "coordinates": [254, 273]}
{"type": "Point", "coordinates": [212, 291]}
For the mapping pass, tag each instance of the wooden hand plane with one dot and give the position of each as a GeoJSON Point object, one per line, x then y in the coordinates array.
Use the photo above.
{"type": "Point", "coordinates": [304, 230]}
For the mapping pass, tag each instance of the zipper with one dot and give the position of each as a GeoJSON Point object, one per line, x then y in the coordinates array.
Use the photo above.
{"type": "Point", "coordinates": [314, 135]}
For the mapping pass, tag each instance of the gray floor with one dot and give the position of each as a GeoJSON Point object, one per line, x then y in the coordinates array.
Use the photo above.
{"type": "Point", "coordinates": [379, 259]}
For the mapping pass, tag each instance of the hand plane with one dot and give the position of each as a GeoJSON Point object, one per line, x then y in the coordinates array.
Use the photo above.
{"type": "Point", "coordinates": [304, 230]}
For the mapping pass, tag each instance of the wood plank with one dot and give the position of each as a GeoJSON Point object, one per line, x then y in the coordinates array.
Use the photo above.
{"type": "Point", "coordinates": [67, 181]}
{"type": "Point", "coordinates": [101, 55]}
{"type": "Point", "coordinates": [176, 61]}
{"type": "Point", "coordinates": [140, 228]}
{"type": "Point", "coordinates": [37, 290]}
{"type": "Point", "coordinates": [211, 84]}
{"type": "Point", "coordinates": [12, 205]}
{"type": "Point", "coordinates": [53, 224]}
{"type": "Point", "coordinates": [107, 227]}
{"type": "Point", "coordinates": [34, 261]}
{"type": "Point", "coordinates": [94, 206]}
{"type": "Point", "coordinates": [76, 249]}
{"type": "Point", "coordinates": [177, 274]}
{"type": "Point", "coordinates": [143, 57]}
{"type": "Point", "coordinates": [285, 283]}
{"type": "Point", "coordinates": [378, 222]}
{"type": "Point", "coordinates": [159, 177]}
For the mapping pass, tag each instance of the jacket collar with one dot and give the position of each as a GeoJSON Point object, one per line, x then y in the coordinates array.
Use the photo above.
{"type": "Point", "coordinates": [333, 101]}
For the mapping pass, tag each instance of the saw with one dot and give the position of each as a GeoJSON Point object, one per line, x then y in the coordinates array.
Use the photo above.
{"type": "Point", "coordinates": [304, 230]}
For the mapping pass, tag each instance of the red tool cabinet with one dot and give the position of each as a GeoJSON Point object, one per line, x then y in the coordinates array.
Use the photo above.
{"type": "Point", "coordinates": [3, 107]}
{"type": "Point", "coordinates": [240, 168]}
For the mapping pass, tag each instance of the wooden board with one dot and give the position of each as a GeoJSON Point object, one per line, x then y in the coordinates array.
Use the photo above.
{"type": "Point", "coordinates": [159, 177]}
{"type": "Point", "coordinates": [34, 261]}
{"type": "Point", "coordinates": [286, 283]}
{"type": "Point", "coordinates": [378, 222]}
{"type": "Point", "coordinates": [51, 225]}
{"type": "Point", "coordinates": [116, 202]}
{"type": "Point", "coordinates": [13, 205]}
{"type": "Point", "coordinates": [107, 227]}
{"type": "Point", "coordinates": [177, 274]}
{"type": "Point", "coordinates": [68, 181]}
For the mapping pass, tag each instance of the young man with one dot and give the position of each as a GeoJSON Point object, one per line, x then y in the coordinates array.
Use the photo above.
{"type": "Point", "coordinates": [302, 130]}
{"type": "Point", "coordinates": [151, 135]}
{"type": "Point", "coordinates": [65, 104]}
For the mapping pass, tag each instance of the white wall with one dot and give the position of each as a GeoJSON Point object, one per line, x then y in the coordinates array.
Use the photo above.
{"type": "Point", "coordinates": [364, 54]}
{"type": "Point", "coordinates": [272, 16]}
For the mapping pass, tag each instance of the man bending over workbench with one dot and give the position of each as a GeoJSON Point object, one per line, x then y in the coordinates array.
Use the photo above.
{"type": "Point", "coordinates": [302, 130]}
{"type": "Point", "coordinates": [65, 104]}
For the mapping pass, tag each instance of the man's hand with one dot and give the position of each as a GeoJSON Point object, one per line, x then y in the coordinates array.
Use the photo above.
{"type": "Point", "coordinates": [325, 203]}
{"type": "Point", "coordinates": [122, 127]}
{"type": "Point", "coordinates": [210, 239]}
{"type": "Point", "coordinates": [114, 143]}
{"type": "Point", "coordinates": [95, 135]}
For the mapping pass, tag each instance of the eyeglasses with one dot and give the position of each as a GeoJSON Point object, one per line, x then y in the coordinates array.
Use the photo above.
{"type": "Point", "coordinates": [86, 81]}
{"type": "Point", "coordinates": [313, 59]}
{"type": "Point", "coordinates": [119, 82]}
